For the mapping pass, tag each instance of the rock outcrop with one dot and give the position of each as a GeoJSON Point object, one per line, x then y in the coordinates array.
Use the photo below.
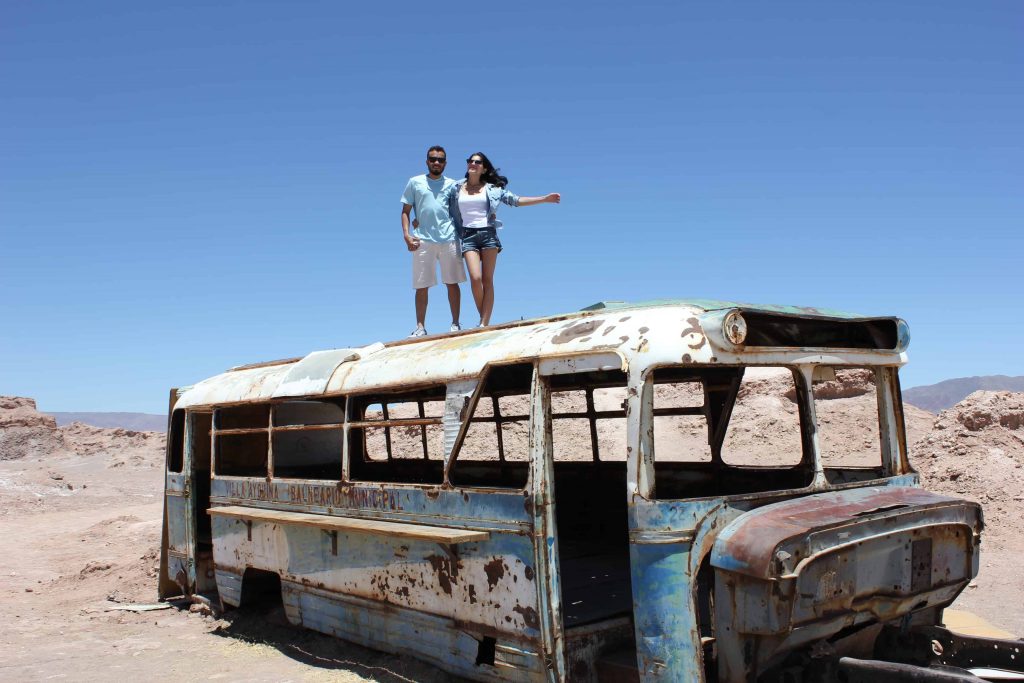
{"type": "Point", "coordinates": [24, 431]}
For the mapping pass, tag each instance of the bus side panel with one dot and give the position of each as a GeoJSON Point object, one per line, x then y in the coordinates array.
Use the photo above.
{"type": "Point", "coordinates": [177, 502]}
{"type": "Point", "coordinates": [399, 594]}
{"type": "Point", "coordinates": [487, 583]}
{"type": "Point", "coordinates": [427, 637]}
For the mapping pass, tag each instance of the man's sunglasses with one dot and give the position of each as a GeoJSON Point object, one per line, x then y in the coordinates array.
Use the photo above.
{"type": "Point", "coordinates": [439, 160]}
{"type": "Point", "coordinates": [475, 162]}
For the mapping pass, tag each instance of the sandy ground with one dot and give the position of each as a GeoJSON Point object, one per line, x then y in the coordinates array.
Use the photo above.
{"type": "Point", "coordinates": [80, 509]}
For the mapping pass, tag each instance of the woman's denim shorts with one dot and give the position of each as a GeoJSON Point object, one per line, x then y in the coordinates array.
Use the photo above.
{"type": "Point", "coordinates": [479, 239]}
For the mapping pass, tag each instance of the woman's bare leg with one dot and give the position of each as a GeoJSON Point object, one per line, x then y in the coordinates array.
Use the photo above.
{"type": "Point", "coordinates": [475, 279]}
{"type": "Point", "coordinates": [489, 257]}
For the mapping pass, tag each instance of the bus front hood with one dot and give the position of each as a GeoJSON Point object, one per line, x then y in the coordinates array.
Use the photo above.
{"type": "Point", "coordinates": [801, 570]}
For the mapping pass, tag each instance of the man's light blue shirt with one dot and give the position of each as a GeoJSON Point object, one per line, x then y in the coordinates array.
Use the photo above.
{"type": "Point", "coordinates": [421, 193]}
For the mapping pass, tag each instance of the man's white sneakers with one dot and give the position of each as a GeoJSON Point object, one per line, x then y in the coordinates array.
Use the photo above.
{"type": "Point", "coordinates": [455, 328]}
{"type": "Point", "coordinates": [419, 332]}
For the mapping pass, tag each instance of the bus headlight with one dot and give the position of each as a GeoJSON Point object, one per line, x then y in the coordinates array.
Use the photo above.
{"type": "Point", "coordinates": [734, 327]}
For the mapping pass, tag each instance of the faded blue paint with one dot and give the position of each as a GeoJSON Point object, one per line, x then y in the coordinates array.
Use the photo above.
{"type": "Point", "coordinates": [396, 502]}
{"type": "Point", "coordinates": [432, 600]}
{"type": "Point", "coordinates": [177, 538]}
{"type": "Point", "coordinates": [382, 627]}
{"type": "Point", "coordinates": [664, 612]}
{"type": "Point", "coordinates": [229, 586]}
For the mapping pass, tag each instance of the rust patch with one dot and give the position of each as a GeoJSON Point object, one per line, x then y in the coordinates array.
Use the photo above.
{"type": "Point", "coordinates": [528, 505]}
{"type": "Point", "coordinates": [623, 339]}
{"type": "Point", "coordinates": [584, 339]}
{"type": "Point", "coordinates": [447, 570]}
{"type": "Point", "coordinates": [495, 570]}
{"type": "Point", "coordinates": [576, 330]}
{"type": "Point", "coordinates": [644, 330]}
{"type": "Point", "coordinates": [687, 358]}
{"type": "Point", "coordinates": [694, 329]}
{"type": "Point", "coordinates": [433, 494]}
{"type": "Point", "coordinates": [607, 330]}
{"type": "Point", "coordinates": [528, 573]}
{"type": "Point", "coordinates": [472, 594]}
{"type": "Point", "coordinates": [642, 347]}
{"type": "Point", "coordinates": [622, 320]}
{"type": "Point", "coordinates": [529, 615]}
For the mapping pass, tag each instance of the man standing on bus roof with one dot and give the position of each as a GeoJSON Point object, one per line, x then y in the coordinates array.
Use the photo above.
{"type": "Point", "coordinates": [433, 241]}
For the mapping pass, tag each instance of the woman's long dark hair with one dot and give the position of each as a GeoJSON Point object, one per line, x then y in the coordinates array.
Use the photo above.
{"type": "Point", "coordinates": [490, 174]}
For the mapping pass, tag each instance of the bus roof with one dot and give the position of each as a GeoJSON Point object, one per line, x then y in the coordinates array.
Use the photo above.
{"type": "Point", "coordinates": [649, 333]}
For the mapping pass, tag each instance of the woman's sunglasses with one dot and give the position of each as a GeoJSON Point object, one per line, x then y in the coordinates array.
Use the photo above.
{"type": "Point", "coordinates": [475, 162]}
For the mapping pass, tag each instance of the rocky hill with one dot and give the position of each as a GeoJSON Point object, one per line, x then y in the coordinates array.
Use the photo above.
{"type": "Point", "coordinates": [27, 433]}
{"type": "Point", "coordinates": [24, 431]}
{"type": "Point", "coordinates": [976, 449]}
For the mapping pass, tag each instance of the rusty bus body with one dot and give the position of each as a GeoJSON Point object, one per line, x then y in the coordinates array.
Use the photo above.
{"type": "Point", "coordinates": [422, 497]}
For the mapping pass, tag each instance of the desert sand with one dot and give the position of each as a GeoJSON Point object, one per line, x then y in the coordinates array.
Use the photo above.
{"type": "Point", "coordinates": [80, 509]}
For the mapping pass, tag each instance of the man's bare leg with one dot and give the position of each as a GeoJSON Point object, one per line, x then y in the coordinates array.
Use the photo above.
{"type": "Point", "coordinates": [455, 301]}
{"type": "Point", "coordinates": [421, 307]}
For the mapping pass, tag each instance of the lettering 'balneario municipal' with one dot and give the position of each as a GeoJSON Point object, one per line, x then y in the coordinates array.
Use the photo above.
{"type": "Point", "coordinates": [311, 494]}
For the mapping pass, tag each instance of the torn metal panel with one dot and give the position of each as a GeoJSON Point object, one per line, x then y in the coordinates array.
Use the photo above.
{"type": "Point", "coordinates": [309, 376]}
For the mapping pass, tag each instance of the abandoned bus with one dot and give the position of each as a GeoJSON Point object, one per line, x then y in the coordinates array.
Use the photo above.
{"type": "Point", "coordinates": [670, 491]}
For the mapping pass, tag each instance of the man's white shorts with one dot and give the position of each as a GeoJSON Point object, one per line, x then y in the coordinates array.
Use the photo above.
{"type": "Point", "coordinates": [424, 272]}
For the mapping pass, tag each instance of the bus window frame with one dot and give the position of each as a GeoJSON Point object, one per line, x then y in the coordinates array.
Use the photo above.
{"type": "Point", "coordinates": [216, 431]}
{"type": "Point", "coordinates": [339, 401]}
{"type": "Point", "coordinates": [498, 420]}
{"type": "Point", "coordinates": [646, 457]}
{"type": "Point", "coordinates": [358, 401]}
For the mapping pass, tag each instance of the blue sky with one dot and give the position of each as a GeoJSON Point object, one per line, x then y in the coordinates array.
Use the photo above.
{"type": "Point", "coordinates": [189, 186]}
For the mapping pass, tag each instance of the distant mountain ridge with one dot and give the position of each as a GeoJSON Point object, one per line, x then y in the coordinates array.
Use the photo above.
{"type": "Point", "coordinates": [946, 394]}
{"type": "Point", "coordinates": [137, 422]}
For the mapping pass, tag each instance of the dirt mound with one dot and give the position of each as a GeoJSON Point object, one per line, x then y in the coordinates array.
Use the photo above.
{"type": "Point", "coordinates": [984, 409]}
{"type": "Point", "coordinates": [976, 449]}
{"type": "Point", "coordinates": [85, 439]}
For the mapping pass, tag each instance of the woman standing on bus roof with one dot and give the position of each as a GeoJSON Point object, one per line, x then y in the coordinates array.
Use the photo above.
{"type": "Point", "coordinates": [473, 205]}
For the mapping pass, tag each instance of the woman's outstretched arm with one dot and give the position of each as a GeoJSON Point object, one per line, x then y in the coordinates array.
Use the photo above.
{"type": "Point", "coordinates": [553, 198]}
